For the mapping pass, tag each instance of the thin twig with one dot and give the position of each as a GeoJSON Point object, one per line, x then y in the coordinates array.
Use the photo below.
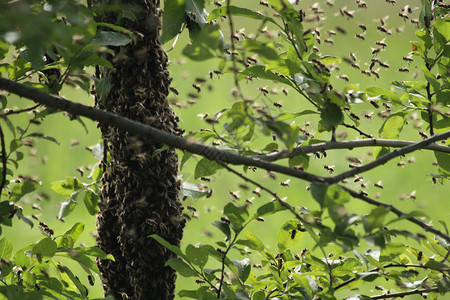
{"type": "Point", "coordinates": [357, 129]}
{"type": "Point", "coordinates": [14, 112]}
{"type": "Point", "coordinates": [385, 158]}
{"type": "Point", "coordinates": [403, 294]}
{"type": "Point", "coordinates": [2, 139]}
{"type": "Point", "coordinates": [398, 212]}
{"type": "Point", "coordinates": [319, 147]}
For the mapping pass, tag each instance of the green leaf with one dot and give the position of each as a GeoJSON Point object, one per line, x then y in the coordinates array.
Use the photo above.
{"type": "Point", "coordinates": [392, 127]}
{"type": "Point", "coordinates": [251, 241]}
{"type": "Point", "coordinates": [236, 11]}
{"type": "Point", "coordinates": [157, 151]}
{"type": "Point", "coordinates": [181, 267]}
{"type": "Point", "coordinates": [318, 191]}
{"type": "Point", "coordinates": [286, 133]}
{"type": "Point", "coordinates": [290, 115]}
{"type": "Point", "coordinates": [197, 52]}
{"type": "Point", "coordinates": [4, 48]}
{"type": "Point", "coordinates": [173, 18]}
{"type": "Point", "coordinates": [66, 187]}
{"type": "Point", "coordinates": [75, 231]}
{"type": "Point", "coordinates": [198, 255]}
{"type": "Point", "coordinates": [271, 147]}
{"type": "Point", "coordinates": [261, 72]}
{"type": "Point", "coordinates": [191, 190]}
{"type": "Point", "coordinates": [6, 207]}
{"type": "Point", "coordinates": [442, 25]}
{"type": "Point", "coordinates": [198, 8]}
{"type": "Point", "coordinates": [384, 94]}
{"type": "Point", "coordinates": [224, 227]}
{"type": "Point", "coordinates": [431, 78]}
{"type": "Point", "coordinates": [331, 116]}
{"type": "Point", "coordinates": [21, 189]}
{"type": "Point", "coordinates": [91, 200]}
{"type": "Point", "coordinates": [206, 167]}
{"type": "Point", "coordinates": [45, 248]}
{"type": "Point", "coordinates": [269, 209]}
{"type": "Point", "coordinates": [336, 195]}
{"type": "Point", "coordinates": [90, 251]}
{"type": "Point", "coordinates": [299, 160]}
{"type": "Point", "coordinates": [6, 248]}
{"type": "Point", "coordinates": [244, 266]}
{"type": "Point", "coordinates": [68, 206]}
{"type": "Point", "coordinates": [289, 234]}
{"type": "Point", "coordinates": [102, 87]}
{"type": "Point", "coordinates": [443, 160]}
{"type": "Point", "coordinates": [264, 50]}
{"type": "Point", "coordinates": [236, 214]}
{"type": "Point", "coordinates": [166, 244]}
{"type": "Point", "coordinates": [375, 218]}
{"type": "Point", "coordinates": [111, 38]}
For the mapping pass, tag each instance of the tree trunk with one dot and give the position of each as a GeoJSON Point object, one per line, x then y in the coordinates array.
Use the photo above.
{"type": "Point", "coordinates": [140, 189]}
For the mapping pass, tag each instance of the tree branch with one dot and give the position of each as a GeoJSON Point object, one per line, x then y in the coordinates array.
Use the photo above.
{"type": "Point", "coordinates": [385, 158]}
{"type": "Point", "coordinates": [175, 141]}
{"type": "Point", "coordinates": [2, 139]}
{"type": "Point", "coordinates": [319, 147]}
{"type": "Point", "coordinates": [107, 118]}
{"type": "Point", "coordinates": [403, 294]}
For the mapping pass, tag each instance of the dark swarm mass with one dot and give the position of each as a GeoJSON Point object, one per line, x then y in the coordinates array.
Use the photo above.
{"type": "Point", "coordinates": [140, 192]}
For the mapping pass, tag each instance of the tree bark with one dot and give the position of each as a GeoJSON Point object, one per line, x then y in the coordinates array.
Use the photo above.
{"type": "Point", "coordinates": [140, 190]}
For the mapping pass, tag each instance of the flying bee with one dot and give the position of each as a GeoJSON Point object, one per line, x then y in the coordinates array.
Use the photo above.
{"type": "Point", "coordinates": [412, 195]}
{"type": "Point", "coordinates": [285, 91]}
{"type": "Point", "coordinates": [330, 3]}
{"type": "Point", "coordinates": [276, 104]}
{"type": "Point", "coordinates": [353, 56]}
{"type": "Point", "coordinates": [257, 192]}
{"type": "Point", "coordinates": [405, 70]}
{"type": "Point", "coordinates": [401, 164]}
{"type": "Point", "coordinates": [234, 195]}
{"type": "Point", "coordinates": [403, 15]}
{"type": "Point", "coordinates": [354, 116]}
{"type": "Point", "coordinates": [384, 30]}
{"type": "Point", "coordinates": [331, 32]}
{"type": "Point", "coordinates": [260, 219]}
{"type": "Point", "coordinates": [329, 168]}
{"type": "Point", "coordinates": [345, 77]}
{"type": "Point", "coordinates": [366, 72]}
{"type": "Point", "coordinates": [362, 26]}
{"type": "Point", "coordinates": [357, 178]}
{"type": "Point", "coordinates": [369, 115]}
{"type": "Point", "coordinates": [285, 183]}
{"type": "Point", "coordinates": [381, 43]}
{"type": "Point", "coordinates": [205, 179]}
{"type": "Point", "coordinates": [329, 41]}
{"type": "Point", "coordinates": [217, 3]}
{"type": "Point", "coordinates": [341, 30]}
{"type": "Point", "coordinates": [423, 134]}
{"type": "Point", "coordinates": [263, 90]}
{"type": "Point", "coordinates": [391, 1]}
{"type": "Point", "coordinates": [375, 72]}
{"type": "Point", "coordinates": [360, 36]}
{"type": "Point", "coordinates": [174, 90]}
{"type": "Point", "coordinates": [192, 14]}
{"type": "Point", "coordinates": [356, 66]}
{"type": "Point", "coordinates": [415, 22]}
{"type": "Point", "coordinates": [374, 104]}
{"type": "Point", "coordinates": [364, 185]}
{"type": "Point", "coordinates": [197, 87]}
{"type": "Point", "coordinates": [376, 50]}
{"type": "Point", "coordinates": [264, 3]}
{"type": "Point", "coordinates": [361, 4]}
{"type": "Point", "coordinates": [346, 13]}
{"type": "Point", "coordinates": [407, 58]}
{"type": "Point", "coordinates": [364, 193]}
{"type": "Point", "coordinates": [293, 234]}
{"type": "Point", "coordinates": [252, 60]}
{"type": "Point", "coordinates": [384, 65]}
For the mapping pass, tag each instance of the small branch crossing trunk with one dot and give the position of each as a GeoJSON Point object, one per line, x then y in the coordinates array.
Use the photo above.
{"type": "Point", "coordinates": [140, 189]}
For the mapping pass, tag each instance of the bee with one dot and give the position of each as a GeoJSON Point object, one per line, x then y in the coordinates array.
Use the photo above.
{"type": "Point", "coordinates": [293, 234]}
{"type": "Point", "coordinates": [330, 3]}
{"type": "Point", "coordinates": [234, 195]}
{"type": "Point", "coordinates": [415, 22]}
{"type": "Point", "coordinates": [329, 41]}
{"type": "Point", "coordinates": [353, 56]}
{"type": "Point", "coordinates": [379, 184]}
{"type": "Point", "coordinates": [407, 58]}
{"type": "Point", "coordinates": [205, 179]}
{"type": "Point", "coordinates": [354, 116]}
{"type": "Point", "coordinates": [364, 193]}
{"type": "Point", "coordinates": [391, 1]}
{"type": "Point", "coordinates": [362, 26]}
{"type": "Point", "coordinates": [264, 3]}
{"type": "Point", "coordinates": [341, 30]}
{"type": "Point", "coordinates": [361, 4]}
{"type": "Point", "coordinates": [403, 16]}
{"type": "Point", "coordinates": [423, 134]}
{"type": "Point", "coordinates": [191, 208]}
{"type": "Point", "coordinates": [329, 168]}
{"type": "Point", "coordinates": [192, 14]}
{"type": "Point", "coordinates": [276, 104]}
{"type": "Point", "coordinates": [263, 90]}
{"type": "Point", "coordinates": [347, 13]}
{"type": "Point", "coordinates": [374, 104]}
{"type": "Point", "coordinates": [197, 87]}
{"type": "Point", "coordinates": [356, 66]}
{"type": "Point", "coordinates": [384, 30]}
{"type": "Point", "coordinates": [369, 115]}
{"type": "Point", "coordinates": [405, 70]}
{"type": "Point", "coordinates": [285, 183]}
{"type": "Point", "coordinates": [257, 192]}
{"type": "Point", "coordinates": [419, 255]}
{"type": "Point", "coordinates": [384, 65]}
{"type": "Point", "coordinates": [360, 36]}
{"type": "Point", "coordinates": [376, 50]}
{"type": "Point", "coordinates": [366, 72]}
{"type": "Point", "coordinates": [375, 72]}
{"type": "Point", "coordinates": [411, 160]}
{"type": "Point", "coordinates": [381, 43]}
{"type": "Point", "coordinates": [401, 164]}
{"type": "Point", "coordinates": [352, 165]}
{"type": "Point", "coordinates": [217, 3]}
{"type": "Point", "coordinates": [209, 193]}
{"type": "Point", "coordinates": [252, 60]}
{"type": "Point", "coordinates": [412, 195]}
{"type": "Point", "coordinates": [345, 77]}
{"type": "Point", "coordinates": [379, 287]}
{"type": "Point", "coordinates": [174, 90]}
{"type": "Point", "coordinates": [260, 219]}
{"type": "Point", "coordinates": [285, 91]}
{"type": "Point", "coordinates": [331, 32]}
{"type": "Point", "coordinates": [363, 185]}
